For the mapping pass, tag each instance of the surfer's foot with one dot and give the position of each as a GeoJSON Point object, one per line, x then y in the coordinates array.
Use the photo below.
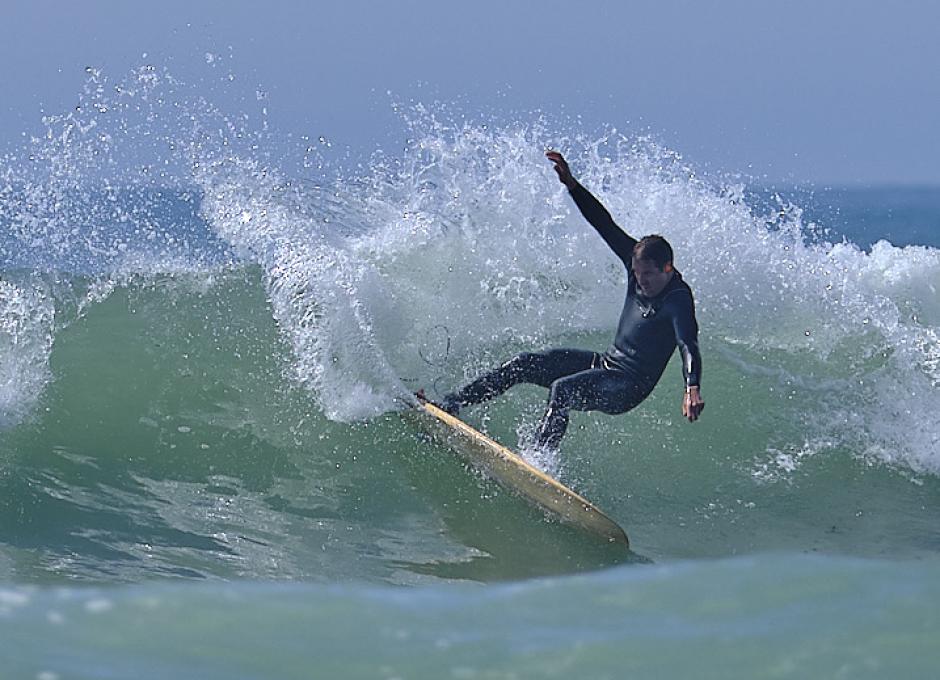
{"type": "Point", "coordinates": [450, 403]}
{"type": "Point", "coordinates": [545, 458]}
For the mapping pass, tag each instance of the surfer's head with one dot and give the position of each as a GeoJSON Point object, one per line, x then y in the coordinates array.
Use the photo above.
{"type": "Point", "coordinates": [652, 264]}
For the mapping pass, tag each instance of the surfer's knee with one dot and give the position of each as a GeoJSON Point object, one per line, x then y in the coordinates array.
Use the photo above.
{"type": "Point", "coordinates": [561, 395]}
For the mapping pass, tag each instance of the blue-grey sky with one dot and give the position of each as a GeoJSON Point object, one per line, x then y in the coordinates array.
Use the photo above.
{"type": "Point", "coordinates": [817, 91]}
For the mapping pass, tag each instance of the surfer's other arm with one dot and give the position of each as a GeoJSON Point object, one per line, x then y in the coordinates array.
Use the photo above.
{"type": "Point", "coordinates": [594, 212]}
{"type": "Point", "coordinates": [682, 309]}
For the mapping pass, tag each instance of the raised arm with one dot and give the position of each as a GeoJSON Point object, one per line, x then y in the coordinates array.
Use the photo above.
{"type": "Point", "coordinates": [595, 213]}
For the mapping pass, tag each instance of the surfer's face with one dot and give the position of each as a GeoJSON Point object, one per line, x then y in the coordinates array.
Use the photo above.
{"type": "Point", "coordinates": [650, 278]}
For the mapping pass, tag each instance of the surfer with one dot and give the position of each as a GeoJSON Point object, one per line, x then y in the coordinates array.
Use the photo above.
{"type": "Point", "coordinates": [658, 316]}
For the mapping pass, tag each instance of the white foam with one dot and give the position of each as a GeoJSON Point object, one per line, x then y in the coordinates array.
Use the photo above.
{"type": "Point", "coordinates": [27, 316]}
{"type": "Point", "coordinates": [469, 240]}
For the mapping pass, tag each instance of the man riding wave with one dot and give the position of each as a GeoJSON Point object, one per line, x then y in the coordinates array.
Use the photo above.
{"type": "Point", "coordinates": [658, 316]}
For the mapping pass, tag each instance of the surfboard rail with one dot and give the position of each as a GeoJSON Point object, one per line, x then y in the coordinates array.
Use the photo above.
{"type": "Point", "coordinates": [512, 472]}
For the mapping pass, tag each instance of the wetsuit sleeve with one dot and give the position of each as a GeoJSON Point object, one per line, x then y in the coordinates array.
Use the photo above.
{"type": "Point", "coordinates": [595, 213]}
{"type": "Point", "coordinates": [682, 311]}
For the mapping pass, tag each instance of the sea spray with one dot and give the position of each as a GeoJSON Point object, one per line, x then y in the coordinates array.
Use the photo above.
{"type": "Point", "coordinates": [470, 232]}
{"type": "Point", "coordinates": [466, 238]}
{"type": "Point", "coordinates": [27, 320]}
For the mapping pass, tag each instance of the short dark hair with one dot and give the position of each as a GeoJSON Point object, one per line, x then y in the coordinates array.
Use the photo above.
{"type": "Point", "coordinates": [654, 248]}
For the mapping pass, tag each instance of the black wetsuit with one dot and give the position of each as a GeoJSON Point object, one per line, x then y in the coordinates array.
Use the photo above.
{"type": "Point", "coordinates": [648, 333]}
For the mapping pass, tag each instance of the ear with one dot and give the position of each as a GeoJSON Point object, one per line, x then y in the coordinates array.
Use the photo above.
{"type": "Point", "coordinates": [668, 268]}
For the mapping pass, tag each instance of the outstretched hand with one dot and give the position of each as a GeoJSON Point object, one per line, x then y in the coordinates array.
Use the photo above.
{"type": "Point", "coordinates": [692, 404]}
{"type": "Point", "coordinates": [561, 167]}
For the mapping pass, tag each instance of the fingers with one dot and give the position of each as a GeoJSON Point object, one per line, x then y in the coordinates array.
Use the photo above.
{"type": "Point", "coordinates": [691, 410]}
{"type": "Point", "coordinates": [561, 168]}
{"type": "Point", "coordinates": [557, 159]}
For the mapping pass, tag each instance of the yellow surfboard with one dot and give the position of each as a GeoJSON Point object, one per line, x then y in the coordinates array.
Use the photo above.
{"type": "Point", "coordinates": [512, 472]}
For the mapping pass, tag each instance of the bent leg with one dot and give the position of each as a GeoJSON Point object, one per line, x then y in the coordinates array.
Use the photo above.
{"type": "Point", "coordinates": [597, 389]}
{"type": "Point", "coordinates": [539, 368]}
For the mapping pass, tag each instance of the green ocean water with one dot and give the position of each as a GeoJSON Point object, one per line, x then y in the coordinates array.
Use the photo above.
{"type": "Point", "coordinates": [163, 450]}
{"type": "Point", "coordinates": [254, 537]}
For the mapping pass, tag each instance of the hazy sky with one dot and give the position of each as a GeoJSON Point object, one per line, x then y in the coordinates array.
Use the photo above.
{"type": "Point", "coordinates": [807, 91]}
